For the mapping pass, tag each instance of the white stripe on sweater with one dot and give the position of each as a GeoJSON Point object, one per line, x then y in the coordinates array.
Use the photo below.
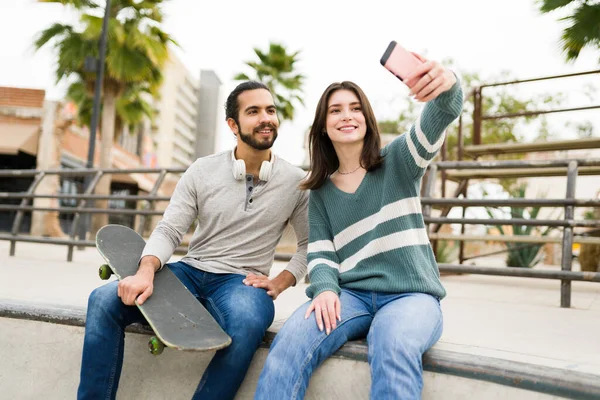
{"type": "Point", "coordinates": [320, 245]}
{"type": "Point", "coordinates": [420, 161]}
{"type": "Point", "coordinates": [325, 261]}
{"type": "Point", "coordinates": [410, 237]}
{"type": "Point", "coordinates": [400, 208]}
{"type": "Point", "coordinates": [431, 148]}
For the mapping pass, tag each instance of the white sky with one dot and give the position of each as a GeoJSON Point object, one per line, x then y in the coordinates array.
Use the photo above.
{"type": "Point", "coordinates": [339, 40]}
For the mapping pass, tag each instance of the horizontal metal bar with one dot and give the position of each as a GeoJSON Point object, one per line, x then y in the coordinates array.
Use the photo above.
{"type": "Point", "coordinates": [514, 221]}
{"type": "Point", "coordinates": [540, 112]}
{"type": "Point", "coordinates": [540, 79]}
{"type": "Point", "coordinates": [588, 162]}
{"type": "Point", "coordinates": [498, 173]}
{"type": "Point", "coordinates": [73, 210]}
{"type": "Point", "coordinates": [87, 171]}
{"type": "Point", "coordinates": [22, 195]}
{"type": "Point", "coordinates": [528, 147]}
{"type": "Point", "coordinates": [511, 202]}
{"type": "Point", "coordinates": [511, 238]}
{"type": "Point", "coordinates": [283, 256]}
{"type": "Point", "coordinates": [38, 239]}
{"type": "Point", "coordinates": [522, 272]}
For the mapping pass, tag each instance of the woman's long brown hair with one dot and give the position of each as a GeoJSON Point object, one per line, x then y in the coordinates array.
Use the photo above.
{"type": "Point", "coordinates": [323, 158]}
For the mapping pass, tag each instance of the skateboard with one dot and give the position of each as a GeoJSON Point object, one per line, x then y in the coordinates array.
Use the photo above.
{"type": "Point", "coordinates": [177, 318]}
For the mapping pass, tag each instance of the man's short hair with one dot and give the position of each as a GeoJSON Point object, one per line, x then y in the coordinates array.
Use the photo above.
{"type": "Point", "coordinates": [232, 105]}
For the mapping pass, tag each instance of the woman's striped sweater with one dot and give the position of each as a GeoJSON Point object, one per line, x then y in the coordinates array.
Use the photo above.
{"type": "Point", "coordinates": [375, 238]}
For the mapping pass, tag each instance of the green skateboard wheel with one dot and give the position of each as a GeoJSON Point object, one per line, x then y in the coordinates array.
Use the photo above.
{"type": "Point", "coordinates": [155, 346]}
{"type": "Point", "coordinates": [105, 272]}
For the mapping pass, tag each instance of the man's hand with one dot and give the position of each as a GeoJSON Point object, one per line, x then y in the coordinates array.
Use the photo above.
{"type": "Point", "coordinates": [274, 286]}
{"type": "Point", "coordinates": [328, 310]}
{"type": "Point", "coordinates": [429, 80]}
{"type": "Point", "coordinates": [138, 286]}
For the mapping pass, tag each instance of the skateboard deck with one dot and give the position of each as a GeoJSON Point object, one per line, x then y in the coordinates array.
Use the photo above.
{"type": "Point", "coordinates": [177, 318]}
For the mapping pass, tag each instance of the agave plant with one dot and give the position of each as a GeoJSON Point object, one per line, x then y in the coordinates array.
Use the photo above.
{"type": "Point", "coordinates": [522, 254]}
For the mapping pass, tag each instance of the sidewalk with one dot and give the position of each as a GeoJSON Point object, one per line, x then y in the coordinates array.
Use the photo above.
{"type": "Point", "coordinates": [515, 319]}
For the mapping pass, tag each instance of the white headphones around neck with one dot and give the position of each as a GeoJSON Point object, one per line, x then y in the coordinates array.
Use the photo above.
{"type": "Point", "coordinates": [239, 168]}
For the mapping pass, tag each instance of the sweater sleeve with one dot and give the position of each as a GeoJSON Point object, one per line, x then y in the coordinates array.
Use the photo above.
{"type": "Point", "coordinates": [323, 262]}
{"type": "Point", "coordinates": [299, 221]}
{"type": "Point", "coordinates": [177, 218]}
{"type": "Point", "coordinates": [417, 147]}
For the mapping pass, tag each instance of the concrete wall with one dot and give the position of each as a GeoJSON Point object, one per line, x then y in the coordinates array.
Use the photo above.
{"type": "Point", "coordinates": [42, 360]}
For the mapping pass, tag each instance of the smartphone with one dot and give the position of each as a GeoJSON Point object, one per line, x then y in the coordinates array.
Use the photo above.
{"type": "Point", "coordinates": [399, 61]}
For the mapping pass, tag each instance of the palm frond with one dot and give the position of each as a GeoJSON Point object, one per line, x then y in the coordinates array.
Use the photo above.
{"type": "Point", "coordinates": [551, 5]}
{"type": "Point", "coordinates": [583, 31]}
{"type": "Point", "coordinates": [276, 70]}
{"type": "Point", "coordinates": [77, 4]}
{"type": "Point", "coordinates": [55, 31]}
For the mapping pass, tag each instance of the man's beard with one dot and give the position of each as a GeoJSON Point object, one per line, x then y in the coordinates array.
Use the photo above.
{"type": "Point", "coordinates": [255, 143]}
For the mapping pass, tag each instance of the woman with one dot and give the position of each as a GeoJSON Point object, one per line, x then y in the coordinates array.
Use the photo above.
{"type": "Point", "coordinates": [372, 269]}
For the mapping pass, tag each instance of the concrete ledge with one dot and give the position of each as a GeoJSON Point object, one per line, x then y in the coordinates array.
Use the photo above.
{"type": "Point", "coordinates": [519, 375]}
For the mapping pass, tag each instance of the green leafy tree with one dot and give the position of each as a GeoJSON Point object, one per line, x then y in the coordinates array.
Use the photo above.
{"type": "Point", "coordinates": [136, 51]}
{"type": "Point", "coordinates": [131, 107]}
{"type": "Point", "coordinates": [583, 31]}
{"type": "Point", "coordinates": [276, 69]}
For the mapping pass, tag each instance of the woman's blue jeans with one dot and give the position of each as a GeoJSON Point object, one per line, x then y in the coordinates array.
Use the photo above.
{"type": "Point", "coordinates": [399, 329]}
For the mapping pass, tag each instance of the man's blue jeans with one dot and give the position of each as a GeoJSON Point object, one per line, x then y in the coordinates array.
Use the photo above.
{"type": "Point", "coordinates": [399, 329]}
{"type": "Point", "coordinates": [244, 312]}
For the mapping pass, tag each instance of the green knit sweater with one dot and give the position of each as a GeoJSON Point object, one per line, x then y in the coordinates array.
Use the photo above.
{"type": "Point", "coordinates": [375, 239]}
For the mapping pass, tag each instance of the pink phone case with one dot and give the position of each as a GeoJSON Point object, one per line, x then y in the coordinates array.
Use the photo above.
{"type": "Point", "coordinates": [399, 61]}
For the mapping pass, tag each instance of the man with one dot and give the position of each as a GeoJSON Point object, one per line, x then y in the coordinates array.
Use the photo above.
{"type": "Point", "coordinates": [242, 200]}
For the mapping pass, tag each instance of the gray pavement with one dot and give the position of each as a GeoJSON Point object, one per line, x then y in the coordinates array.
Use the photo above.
{"type": "Point", "coordinates": [510, 318]}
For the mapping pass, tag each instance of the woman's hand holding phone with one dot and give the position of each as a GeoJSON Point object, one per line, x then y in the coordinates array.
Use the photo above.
{"type": "Point", "coordinates": [428, 80]}
{"type": "Point", "coordinates": [425, 79]}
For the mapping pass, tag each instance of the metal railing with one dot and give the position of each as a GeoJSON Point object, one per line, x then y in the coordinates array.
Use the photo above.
{"type": "Point", "coordinates": [568, 223]}
{"type": "Point", "coordinates": [479, 116]}
{"type": "Point", "coordinates": [566, 275]}
{"type": "Point", "coordinates": [83, 207]}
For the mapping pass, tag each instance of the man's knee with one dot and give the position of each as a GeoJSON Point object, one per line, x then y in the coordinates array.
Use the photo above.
{"type": "Point", "coordinates": [249, 329]}
{"type": "Point", "coordinates": [104, 297]}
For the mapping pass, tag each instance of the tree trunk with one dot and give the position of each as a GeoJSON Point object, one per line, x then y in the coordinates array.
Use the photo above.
{"type": "Point", "coordinates": [46, 223]}
{"type": "Point", "coordinates": [106, 144]}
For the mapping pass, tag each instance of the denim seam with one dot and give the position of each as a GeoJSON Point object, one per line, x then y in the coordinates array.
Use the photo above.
{"type": "Point", "coordinates": [436, 327]}
{"type": "Point", "coordinates": [310, 354]}
{"type": "Point", "coordinates": [113, 370]}
{"type": "Point", "coordinates": [217, 311]}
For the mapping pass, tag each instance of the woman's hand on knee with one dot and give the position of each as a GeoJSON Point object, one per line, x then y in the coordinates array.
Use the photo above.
{"type": "Point", "coordinates": [328, 310]}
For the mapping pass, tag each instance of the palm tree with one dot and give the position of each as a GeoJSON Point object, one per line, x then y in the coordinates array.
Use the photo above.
{"type": "Point", "coordinates": [276, 70]}
{"type": "Point", "coordinates": [584, 28]}
{"type": "Point", "coordinates": [131, 107]}
{"type": "Point", "coordinates": [136, 51]}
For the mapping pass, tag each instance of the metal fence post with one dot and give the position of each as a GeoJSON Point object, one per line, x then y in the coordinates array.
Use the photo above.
{"type": "Point", "coordinates": [567, 245]}
{"type": "Point", "coordinates": [80, 209]}
{"type": "Point", "coordinates": [19, 217]}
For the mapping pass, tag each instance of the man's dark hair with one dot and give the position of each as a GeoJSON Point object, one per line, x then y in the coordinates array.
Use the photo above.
{"type": "Point", "coordinates": [232, 106]}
